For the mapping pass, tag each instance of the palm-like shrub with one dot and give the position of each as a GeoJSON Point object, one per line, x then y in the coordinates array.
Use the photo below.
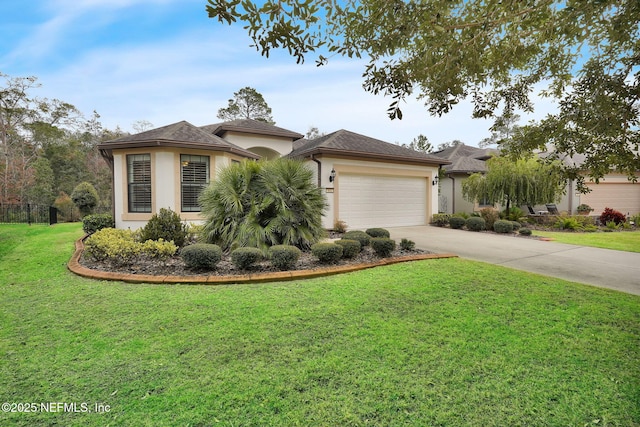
{"type": "Point", "coordinates": [292, 204]}
{"type": "Point", "coordinates": [261, 204]}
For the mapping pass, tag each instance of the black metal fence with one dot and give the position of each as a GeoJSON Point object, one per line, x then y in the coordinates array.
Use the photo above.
{"type": "Point", "coordinates": [27, 213]}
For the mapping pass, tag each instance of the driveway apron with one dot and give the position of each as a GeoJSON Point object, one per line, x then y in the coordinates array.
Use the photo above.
{"type": "Point", "coordinates": [593, 266]}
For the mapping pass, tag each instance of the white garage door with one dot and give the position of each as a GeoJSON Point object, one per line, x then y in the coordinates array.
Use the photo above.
{"type": "Point", "coordinates": [382, 201]}
{"type": "Point", "coordinates": [623, 197]}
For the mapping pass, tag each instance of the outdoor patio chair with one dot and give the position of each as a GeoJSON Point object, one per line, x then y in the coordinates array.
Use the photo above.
{"type": "Point", "coordinates": [553, 210]}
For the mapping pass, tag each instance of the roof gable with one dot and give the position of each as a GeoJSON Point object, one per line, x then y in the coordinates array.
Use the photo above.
{"type": "Point", "coordinates": [181, 134]}
{"type": "Point", "coordinates": [250, 126]}
{"type": "Point", "coordinates": [465, 158]}
{"type": "Point", "coordinates": [463, 150]}
{"type": "Point", "coordinates": [351, 144]}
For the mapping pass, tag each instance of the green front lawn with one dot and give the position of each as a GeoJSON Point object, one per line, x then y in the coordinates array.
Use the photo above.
{"type": "Point", "coordinates": [442, 342]}
{"type": "Point", "coordinates": [619, 240]}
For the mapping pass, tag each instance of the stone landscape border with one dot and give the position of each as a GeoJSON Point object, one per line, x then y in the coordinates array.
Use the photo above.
{"type": "Point", "coordinates": [75, 267]}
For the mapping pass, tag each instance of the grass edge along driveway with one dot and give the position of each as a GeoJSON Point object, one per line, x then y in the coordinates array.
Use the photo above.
{"type": "Point", "coordinates": [628, 241]}
{"type": "Point", "coordinates": [448, 342]}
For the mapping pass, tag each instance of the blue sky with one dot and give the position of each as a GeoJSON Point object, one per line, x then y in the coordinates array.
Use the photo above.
{"type": "Point", "coordinates": [164, 61]}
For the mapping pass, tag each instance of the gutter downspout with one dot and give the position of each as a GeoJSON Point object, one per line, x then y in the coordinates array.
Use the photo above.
{"type": "Point", "coordinates": [107, 155]}
{"type": "Point", "coordinates": [319, 170]}
{"type": "Point", "coordinates": [453, 194]}
{"type": "Point", "coordinates": [570, 197]}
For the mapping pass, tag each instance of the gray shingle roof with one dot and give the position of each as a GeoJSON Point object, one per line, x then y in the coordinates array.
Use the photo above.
{"type": "Point", "coordinates": [181, 134]}
{"type": "Point", "coordinates": [250, 126]}
{"type": "Point", "coordinates": [465, 158]}
{"type": "Point", "coordinates": [351, 144]}
{"type": "Point", "coordinates": [466, 165]}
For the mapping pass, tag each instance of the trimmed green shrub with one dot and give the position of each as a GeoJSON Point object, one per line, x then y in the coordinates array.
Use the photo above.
{"type": "Point", "coordinates": [165, 225]}
{"type": "Point", "coordinates": [327, 253]}
{"type": "Point", "coordinates": [160, 249]}
{"type": "Point", "coordinates": [457, 222]}
{"type": "Point", "coordinates": [490, 216]}
{"type": "Point", "coordinates": [110, 244]}
{"type": "Point", "coordinates": [284, 257]}
{"type": "Point", "coordinates": [407, 245]}
{"type": "Point", "coordinates": [350, 248]}
{"type": "Point", "coordinates": [383, 246]}
{"type": "Point", "coordinates": [525, 231]}
{"type": "Point", "coordinates": [440, 220]}
{"type": "Point", "coordinates": [85, 197]}
{"type": "Point", "coordinates": [476, 223]}
{"type": "Point", "coordinates": [516, 225]}
{"type": "Point", "coordinates": [93, 223]}
{"type": "Point", "coordinates": [201, 256]}
{"type": "Point", "coordinates": [378, 232]}
{"type": "Point", "coordinates": [243, 258]}
{"type": "Point", "coordinates": [360, 236]}
{"type": "Point", "coordinates": [503, 226]}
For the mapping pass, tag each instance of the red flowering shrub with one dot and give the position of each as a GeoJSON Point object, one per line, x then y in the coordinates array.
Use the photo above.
{"type": "Point", "coordinates": [609, 215]}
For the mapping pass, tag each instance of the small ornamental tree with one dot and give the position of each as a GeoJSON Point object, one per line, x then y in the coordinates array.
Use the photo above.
{"type": "Point", "coordinates": [515, 183]}
{"type": "Point", "coordinates": [85, 197]}
{"type": "Point", "coordinates": [165, 225]}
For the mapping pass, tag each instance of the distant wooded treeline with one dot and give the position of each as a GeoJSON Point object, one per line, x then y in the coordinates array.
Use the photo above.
{"type": "Point", "coordinates": [48, 147]}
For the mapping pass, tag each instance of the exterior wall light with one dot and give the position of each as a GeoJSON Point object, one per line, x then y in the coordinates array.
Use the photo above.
{"type": "Point", "coordinates": [332, 175]}
{"type": "Point", "coordinates": [435, 180]}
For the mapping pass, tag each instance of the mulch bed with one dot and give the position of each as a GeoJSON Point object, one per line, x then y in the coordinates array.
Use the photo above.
{"type": "Point", "coordinates": [174, 266]}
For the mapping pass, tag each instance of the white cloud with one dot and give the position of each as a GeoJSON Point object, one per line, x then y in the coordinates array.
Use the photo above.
{"type": "Point", "coordinates": [191, 73]}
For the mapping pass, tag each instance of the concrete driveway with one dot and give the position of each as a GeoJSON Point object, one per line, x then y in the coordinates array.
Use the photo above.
{"type": "Point", "coordinates": [600, 267]}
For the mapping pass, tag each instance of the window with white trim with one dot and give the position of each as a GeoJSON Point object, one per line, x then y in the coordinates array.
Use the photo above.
{"type": "Point", "coordinates": [139, 182]}
{"type": "Point", "coordinates": [485, 202]}
{"type": "Point", "coordinates": [194, 177]}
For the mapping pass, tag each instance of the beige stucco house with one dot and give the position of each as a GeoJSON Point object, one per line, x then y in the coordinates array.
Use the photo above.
{"type": "Point", "coordinates": [614, 190]}
{"type": "Point", "coordinates": [368, 182]}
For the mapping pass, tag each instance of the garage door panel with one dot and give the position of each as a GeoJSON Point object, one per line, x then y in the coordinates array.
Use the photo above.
{"type": "Point", "coordinates": [382, 201]}
{"type": "Point", "coordinates": [623, 197]}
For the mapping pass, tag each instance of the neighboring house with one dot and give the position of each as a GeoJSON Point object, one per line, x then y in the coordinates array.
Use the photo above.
{"type": "Point", "coordinates": [613, 191]}
{"type": "Point", "coordinates": [465, 160]}
{"type": "Point", "coordinates": [368, 182]}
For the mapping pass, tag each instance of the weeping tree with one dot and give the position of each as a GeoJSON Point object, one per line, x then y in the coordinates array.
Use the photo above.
{"type": "Point", "coordinates": [520, 182]}
{"type": "Point", "coordinates": [261, 204]}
